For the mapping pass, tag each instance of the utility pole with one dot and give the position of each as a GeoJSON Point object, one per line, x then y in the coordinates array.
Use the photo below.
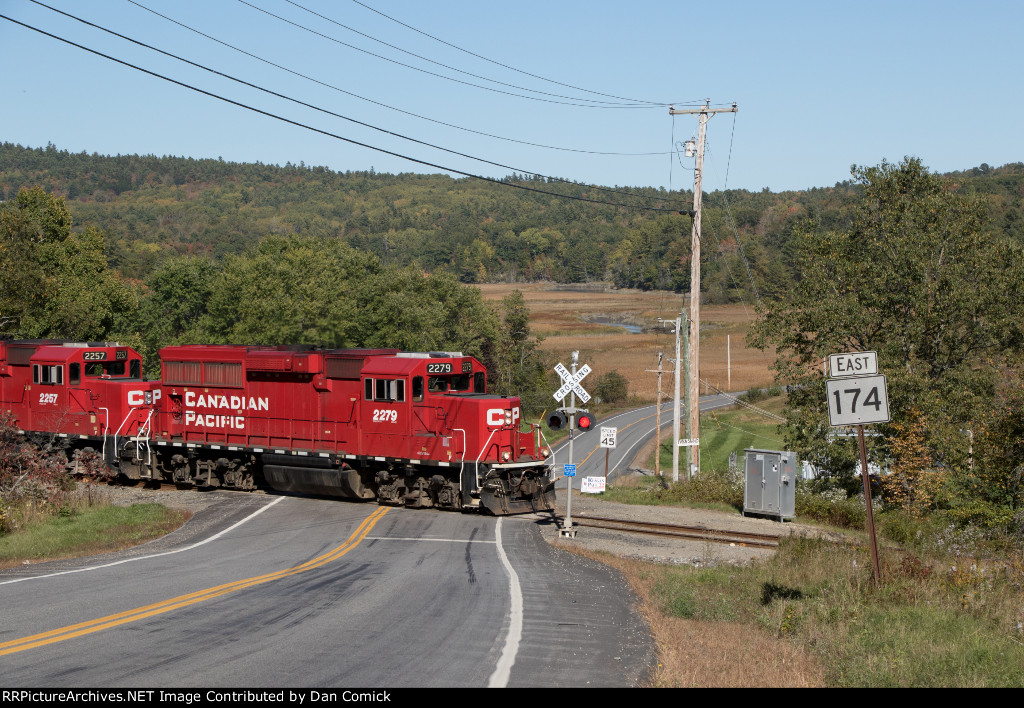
{"type": "Point", "coordinates": [682, 371]}
{"type": "Point", "coordinates": [657, 418]}
{"type": "Point", "coordinates": [694, 382]}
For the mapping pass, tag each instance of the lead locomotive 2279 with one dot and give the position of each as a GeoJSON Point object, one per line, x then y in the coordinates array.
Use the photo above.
{"type": "Point", "coordinates": [409, 428]}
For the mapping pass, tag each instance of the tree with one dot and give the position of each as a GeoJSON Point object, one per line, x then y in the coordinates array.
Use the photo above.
{"type": "Point", "coordinates": [53, 282]}
{"type": "Point", "coordinates": [916, 278]}
{"type": "Point", "coordinates": [289, 290]}
{"type": "Point", "coordinates": [410, 310]}
{"type": "Point", "coordinates": [519, 368]}
{"type": "Point", "coordinates": [173, 307]}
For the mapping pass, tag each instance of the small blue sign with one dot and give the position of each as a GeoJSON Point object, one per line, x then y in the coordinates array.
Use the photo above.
{"type": "Point", "coordinates": [570, 470]}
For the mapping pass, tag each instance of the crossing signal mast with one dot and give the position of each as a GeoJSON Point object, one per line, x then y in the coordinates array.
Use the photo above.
{"type": "Point", "coordinates": [575, 419]}
{"type": "Point", "coordinates": [705, 112]}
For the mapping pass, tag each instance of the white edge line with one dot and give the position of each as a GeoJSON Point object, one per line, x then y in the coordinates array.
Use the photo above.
{"type": "Point", "coordinates": [503, 670]}
{"type": "Point", "coordinates": [154, 555]}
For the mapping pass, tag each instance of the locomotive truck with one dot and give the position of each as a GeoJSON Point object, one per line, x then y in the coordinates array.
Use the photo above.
{"type": "Point", "coordinates": [405, 428]}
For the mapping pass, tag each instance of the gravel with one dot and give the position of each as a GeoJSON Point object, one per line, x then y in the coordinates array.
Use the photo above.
{"type": "Point", "coordinates": [662, 549]}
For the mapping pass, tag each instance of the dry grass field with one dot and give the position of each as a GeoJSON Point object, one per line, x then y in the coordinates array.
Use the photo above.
{"type": "Point", "coordinates": [582, 319]}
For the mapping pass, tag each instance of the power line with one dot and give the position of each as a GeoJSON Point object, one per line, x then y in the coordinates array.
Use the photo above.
{"type": "Point", "coordinates": [387, 106]}
{"type": "Point", "coordinates": [335, 135]}
{"type": "Point", "coordinates": [652, 104]}
{"type": "Point", "coordinates": [498, 63]}
{"type": "Point", "coordinates": [442, 76]}
{"type": "Point", "coordinates": [328, 112]}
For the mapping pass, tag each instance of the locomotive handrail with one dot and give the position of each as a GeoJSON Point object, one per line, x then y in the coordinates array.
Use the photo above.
{"type": "Point", "coordinates": [551, 461]}
{"type": "Point", "coordinates": [127, 416]}
{"type": "Point", "coordinates": [476, 468]}
{"type": "Point", "coordinates": [144, 430]}
{"type": "Point", "coordinates": [462, 458]}
{"type": "Point", "coordinates": [106, 431]}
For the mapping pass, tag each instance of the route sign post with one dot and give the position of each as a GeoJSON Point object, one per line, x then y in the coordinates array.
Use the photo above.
{"type": "Point", "coordinates": [854, 399]}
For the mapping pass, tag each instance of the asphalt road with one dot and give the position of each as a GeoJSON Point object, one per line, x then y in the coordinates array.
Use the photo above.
{"type": "Point", "coordinates": [635, 429]}
{"type": "Point", "coordinates": [265, 592]}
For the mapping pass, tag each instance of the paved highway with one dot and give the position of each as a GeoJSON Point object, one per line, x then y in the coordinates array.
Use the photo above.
{"type": "Point", "coordinates": [635, 429]}
{"type": "Point", "coordinates": [265, 591]}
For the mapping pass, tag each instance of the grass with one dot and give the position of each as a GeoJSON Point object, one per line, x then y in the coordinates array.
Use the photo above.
{"type": "Point", "coordinates": [87, 531]}
{"type": "Point", "coordinates": [948, 612]}
{"type": "Point", "coordinates": [811, 616]}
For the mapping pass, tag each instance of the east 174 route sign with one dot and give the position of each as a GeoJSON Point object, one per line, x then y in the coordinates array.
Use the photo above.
{"type": "Point", "coordinates": [859, 400]}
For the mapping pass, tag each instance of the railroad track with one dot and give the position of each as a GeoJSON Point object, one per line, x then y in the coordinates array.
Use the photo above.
{"type": "Point", "coordinates": [738, 538]}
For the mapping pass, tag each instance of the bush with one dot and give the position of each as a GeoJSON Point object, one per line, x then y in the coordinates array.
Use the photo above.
{"type": "Point", "coordinates": [831, 508]}
{"type": "Point", "coordinates": [983, 515]}
{"type": "Point", "coordinates": [612, 387]}
{"type": "Point", "coordinates": [30, 477]}
{"type": "Point", "coordinates": [753, 395]}
{"type": "Point", "coordinates": [706, 488]}
{"type": "Point", "coordinates": [903, 527]}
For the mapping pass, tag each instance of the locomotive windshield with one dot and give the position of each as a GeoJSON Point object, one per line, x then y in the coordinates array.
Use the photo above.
{"type": "Point", "coordinates": [108, 369]}
{"type": "Point", "coordinates": [443, 384]}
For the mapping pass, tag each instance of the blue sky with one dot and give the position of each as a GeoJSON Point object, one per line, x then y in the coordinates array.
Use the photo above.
{"type": "Point", "coordinates": [819, 85]}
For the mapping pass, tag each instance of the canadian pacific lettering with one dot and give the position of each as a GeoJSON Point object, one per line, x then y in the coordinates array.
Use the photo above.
{"type": "Point", "coordinates": [235, 404]}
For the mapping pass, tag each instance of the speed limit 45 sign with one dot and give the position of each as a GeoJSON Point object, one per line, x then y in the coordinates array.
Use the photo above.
{"type": "Point", "coordinates": [859, 400]}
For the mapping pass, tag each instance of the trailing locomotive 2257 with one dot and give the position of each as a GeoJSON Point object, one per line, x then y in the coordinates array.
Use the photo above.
{"type": "Point", "coordinates": [417, 429]}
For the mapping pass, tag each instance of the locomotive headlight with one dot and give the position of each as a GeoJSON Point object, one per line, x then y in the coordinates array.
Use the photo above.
{"type": "Point", "coordinates": [545, 453]}
{"type": "Point", "coordinates": [506, 456]}
{"type": "Point", "coordinates": [508, 417]}
{"type": "Point", "coordinates": [148, 398]}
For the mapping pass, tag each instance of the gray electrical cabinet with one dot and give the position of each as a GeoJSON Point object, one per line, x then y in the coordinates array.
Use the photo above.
{"type": "Point", "coordinates": [770, 483]}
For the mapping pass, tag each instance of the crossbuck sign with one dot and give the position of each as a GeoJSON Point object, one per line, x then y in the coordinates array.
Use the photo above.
{"type": "Point", "coordinates": [572, 383]}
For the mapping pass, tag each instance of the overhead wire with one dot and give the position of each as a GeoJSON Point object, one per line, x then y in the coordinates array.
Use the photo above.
{"type": "Point", "coordinates": [592, 104]}
{"type": "Point", "coordinates": [652, 104]}
{"type": "Point", "coordinates": [504, 66]}
{"type": "Point", "coordinates": [385, 105]}
{"type": "Point", "coordinates": [335, 135]}
{"type": "Point", "coordinates": [334, 114]}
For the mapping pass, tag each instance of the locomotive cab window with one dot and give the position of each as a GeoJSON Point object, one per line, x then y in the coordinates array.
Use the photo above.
{"type": "Point", "coordinates": [47, 375]}
{"type": "Point", "coordinates": [96, 369]}
{"type": "Point", "coordinates": [384, 390]}
{"type": "Point", "coordinates": [74, 374]}
{"type": "Point", "coordinates": [480, 382]}
{"type": "Point", "coordinates": [417, 388]}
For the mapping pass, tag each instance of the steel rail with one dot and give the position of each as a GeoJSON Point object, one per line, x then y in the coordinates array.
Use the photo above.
{"type": "Point", "coordinates": [673, 530]}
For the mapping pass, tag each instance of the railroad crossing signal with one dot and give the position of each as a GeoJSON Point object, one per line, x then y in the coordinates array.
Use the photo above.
{"type": "Point", "coordinates": [572, 383]}
{"type": "Point", "coordinates": [584, 421]}
{"type": "Point", "coordinates": [557, 420]}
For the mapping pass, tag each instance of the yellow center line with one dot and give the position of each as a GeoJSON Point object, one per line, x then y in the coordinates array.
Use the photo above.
{"type": "Point", "coordinates": [174, 603]}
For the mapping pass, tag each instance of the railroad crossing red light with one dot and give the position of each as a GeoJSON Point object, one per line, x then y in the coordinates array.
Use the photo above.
{"type": "Point", "coordinates": [584, 421]}
{"type": "Point", "coordinates": [557, 420]}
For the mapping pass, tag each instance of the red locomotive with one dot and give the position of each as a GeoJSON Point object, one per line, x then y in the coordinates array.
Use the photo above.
{"type": "Point", "coordinates": [404, 428]}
